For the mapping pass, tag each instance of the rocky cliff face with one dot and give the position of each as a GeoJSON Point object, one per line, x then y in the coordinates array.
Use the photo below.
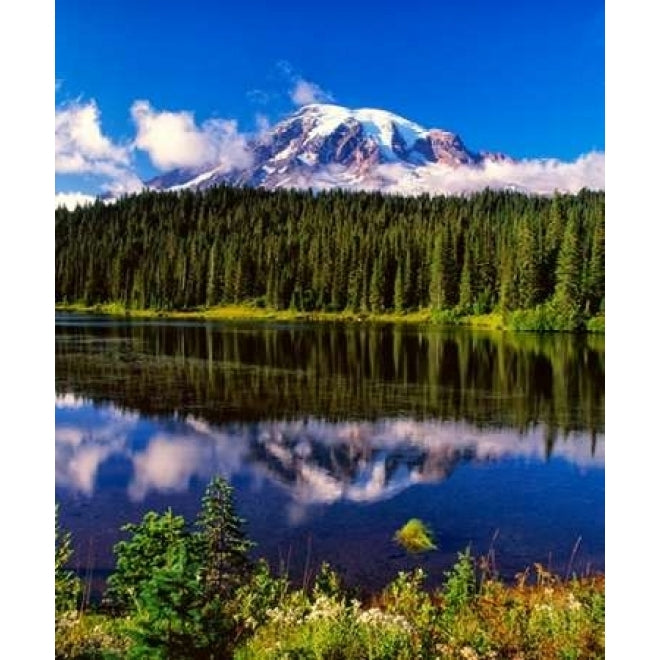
{"type": "Point", "coordinates": [324, 145]}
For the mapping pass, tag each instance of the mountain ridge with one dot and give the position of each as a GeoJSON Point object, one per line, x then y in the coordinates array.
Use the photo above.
{"type": "Point", "coordinates": [324, 145]}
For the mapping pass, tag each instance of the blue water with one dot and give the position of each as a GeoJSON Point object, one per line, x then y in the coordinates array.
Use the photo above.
{"type": "Point", "coordinates": [140, 428]}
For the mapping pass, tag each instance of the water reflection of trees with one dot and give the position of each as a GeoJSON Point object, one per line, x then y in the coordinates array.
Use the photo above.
{"type": "Point", "coordinates": [246, 373]}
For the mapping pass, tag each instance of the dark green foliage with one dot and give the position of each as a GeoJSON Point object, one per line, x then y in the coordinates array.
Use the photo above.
{"type": "Point", "coordinates": [181, 586]}
{"type": "Point", "coordinates": [527, 266]}
{"type": "Point", "coordinates": [224, 544]}
{"type": "Point", "coordinates": [224, 549]}
{"type": "Point", "coordinates": [465, 296]}
{"type": "Point", "coordinates": [595, 284]}
{"type": "Point", "coordinates": [67, 584]}
{"type": "Point", "coordinates": [335, 250]}
{"type": "Point", "coordinates": [443, 273]}
{"type": "Point", "coordinates": [569, 293]}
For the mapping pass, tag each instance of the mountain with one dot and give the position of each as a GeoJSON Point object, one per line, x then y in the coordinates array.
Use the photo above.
{"type": "Point", "coordinates": [326, 146]}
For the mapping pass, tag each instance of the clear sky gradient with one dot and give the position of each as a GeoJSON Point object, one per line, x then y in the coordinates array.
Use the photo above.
{"type": "Point", "coordinates": [525, 78]}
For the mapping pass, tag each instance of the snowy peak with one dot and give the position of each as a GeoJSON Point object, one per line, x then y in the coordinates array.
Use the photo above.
{"type": "Point", "coordinates": [323, 145]}
{"type": "Point", "coordinates": [384, 128]}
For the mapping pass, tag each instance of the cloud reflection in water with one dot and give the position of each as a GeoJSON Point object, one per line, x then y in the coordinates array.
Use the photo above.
{"type": "Point", "coordinates": [315, 461]}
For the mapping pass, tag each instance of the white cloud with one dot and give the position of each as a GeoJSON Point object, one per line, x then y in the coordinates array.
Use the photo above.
{"type": "Point", "coordinates": [172, 139]}
{"type": "Point", "coordinates": [537, 176]}
{"type": "Point", "coordinates": [81, 148]}
{"type": "Point", "coordinates": [420, 452]}
{"type": "Point", "coordinates": [305, 92]}
{"type": "Point", "coordinates": [72, 199]}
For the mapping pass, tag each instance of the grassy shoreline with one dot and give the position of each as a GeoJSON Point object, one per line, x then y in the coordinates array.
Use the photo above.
{"type": "Point", "coordinates": [248, 312]}
{"type": "Point", "coordinates": [175, 594]}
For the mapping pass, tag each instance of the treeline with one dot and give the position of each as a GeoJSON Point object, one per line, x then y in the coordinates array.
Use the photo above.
{"type": "Point", "coordinates": [337, 250]}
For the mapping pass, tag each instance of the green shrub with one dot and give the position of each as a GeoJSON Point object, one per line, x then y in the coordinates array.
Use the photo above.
{"type": "Point", "coordinates": [327, 583]}
{"type": "Point", "coordinates": [446, 316]}
{"type": "Point", "coordinates": [170, 610]}
{"type": "Point", "coordinates": [460, 586]}
{"type": "Point", "coordinates": [596, 324]}
{"type": "Point", "coordinates": [406, 597]}
{"type": "Point", "coordinates": [143, 553]}
{"type": "Point", "coordinates": [258, 596]}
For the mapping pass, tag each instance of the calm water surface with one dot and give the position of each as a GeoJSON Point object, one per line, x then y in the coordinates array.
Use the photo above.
{"type": "Point", "coordinates": [333, 436]}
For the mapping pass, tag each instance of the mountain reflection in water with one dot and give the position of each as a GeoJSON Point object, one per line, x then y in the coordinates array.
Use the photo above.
{"type": "Point", "coordinates": [333, 436]}
{"type": "Point", "coordinates": [315, 461]}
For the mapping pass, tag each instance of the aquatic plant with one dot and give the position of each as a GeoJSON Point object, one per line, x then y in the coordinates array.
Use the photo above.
{"type": "Point", "coordinates": [415, 537]}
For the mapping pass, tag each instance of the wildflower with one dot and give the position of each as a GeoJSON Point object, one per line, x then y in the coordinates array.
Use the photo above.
{"type": "Point", "coordinates": [379, 619]}
{"type": "Point", "coordinates": [573, 603]}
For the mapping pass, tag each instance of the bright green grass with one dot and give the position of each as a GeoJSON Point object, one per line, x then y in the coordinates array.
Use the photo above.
{"type": "Point", "coordinates": [250, 312]}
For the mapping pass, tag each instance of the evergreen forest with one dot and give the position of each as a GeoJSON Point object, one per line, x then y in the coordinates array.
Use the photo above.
{"type": "Point", "coordinates": [333, 251]}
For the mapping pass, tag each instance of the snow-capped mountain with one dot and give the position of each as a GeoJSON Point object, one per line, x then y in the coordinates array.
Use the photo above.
{"type": "Point", "coordinates": [325, 146]}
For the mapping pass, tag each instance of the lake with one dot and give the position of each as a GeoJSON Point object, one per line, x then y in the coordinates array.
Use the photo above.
{"type": "Point", "coordinates": [333, 436]}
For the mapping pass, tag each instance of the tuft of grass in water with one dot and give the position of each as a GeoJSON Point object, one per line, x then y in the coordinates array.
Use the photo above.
{"type": "Point", "coordinates": [415, 537]}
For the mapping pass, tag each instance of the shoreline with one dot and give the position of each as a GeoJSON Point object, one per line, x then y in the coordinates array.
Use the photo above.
{"type": "Point", "coordinates": [246, 312]}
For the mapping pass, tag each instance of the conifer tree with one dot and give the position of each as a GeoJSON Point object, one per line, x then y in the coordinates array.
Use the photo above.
{"type": "Point", "coordinates": [377, 286]}
{"type": "Point", "coordinates": [527, 266]}
{"type": "Point", "coordinates": [567, 293]}
{"type": "Point", "coordinates": [225, 545]}
{"type": "Point", "coordinates": [465, 290]}
{"type": "Point", "coordinates": [399, 290]}
{"type": "Point", "coordinates": [596, 272]}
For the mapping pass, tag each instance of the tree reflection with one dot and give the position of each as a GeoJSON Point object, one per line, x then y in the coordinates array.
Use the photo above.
{"type": "Point", "coordinates": [239, 373]}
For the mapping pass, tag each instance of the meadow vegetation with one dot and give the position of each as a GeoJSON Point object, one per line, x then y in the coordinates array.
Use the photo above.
{"type": "Point", "coordinates": [192, 592]}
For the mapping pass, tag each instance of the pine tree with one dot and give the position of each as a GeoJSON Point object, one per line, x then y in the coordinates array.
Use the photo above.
{"type": "Point", "coordinates": [596, 272]}
{"type": "Point", "coordinates": [568, 297]}
{"type": "Point", "coordinates": [527, 266]}
{"type": "Point", "coordinates": [399, 290]}
{"type": "Point", "coordinates": [507, 293]}
{"type": "Point", "coordinates": [225, 545]}
{"type": "Point", "coordinates": [377, 286]}
{"type": "Point", "coordinates": [465, 290]}
{"type": "Point", "coordinates": [442, 290]}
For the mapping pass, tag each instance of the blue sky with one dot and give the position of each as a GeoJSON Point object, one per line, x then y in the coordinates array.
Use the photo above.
{"type": "Point", "coordinates": [524, 78]}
